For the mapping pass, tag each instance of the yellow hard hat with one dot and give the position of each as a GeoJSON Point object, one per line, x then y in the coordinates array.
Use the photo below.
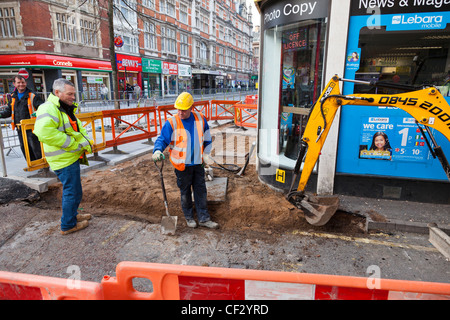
{"type": "Point", "coordinates": [184, 101]}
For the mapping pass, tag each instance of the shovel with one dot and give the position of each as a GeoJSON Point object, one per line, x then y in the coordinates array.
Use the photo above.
{"type": "Point", "coordinates": [168, 223]}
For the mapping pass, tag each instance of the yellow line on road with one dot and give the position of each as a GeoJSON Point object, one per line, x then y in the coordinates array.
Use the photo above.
{"type": "Point", "coordinates": [364, 241]}
{"type": "Point", "coordinates": [121, 230]}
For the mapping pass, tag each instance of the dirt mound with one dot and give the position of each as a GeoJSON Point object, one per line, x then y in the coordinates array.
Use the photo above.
{"type": "Point", "coordinates": [133, 189]}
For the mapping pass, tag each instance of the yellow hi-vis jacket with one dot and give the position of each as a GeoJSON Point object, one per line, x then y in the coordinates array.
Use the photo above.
{"type": "Point", "coordinates": [63, 145]}
{"type": "Point", "coordinates": [179, 145]}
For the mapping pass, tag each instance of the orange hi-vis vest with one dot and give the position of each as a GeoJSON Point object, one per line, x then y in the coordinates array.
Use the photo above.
{"type": "Point", "coordinates": [30, 108]}
{"type": "Point", "coordinates": [179, 145]}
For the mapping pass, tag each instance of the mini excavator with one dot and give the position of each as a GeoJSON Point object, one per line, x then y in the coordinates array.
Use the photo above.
{"type": "Point", "coordinates": [428, 107]}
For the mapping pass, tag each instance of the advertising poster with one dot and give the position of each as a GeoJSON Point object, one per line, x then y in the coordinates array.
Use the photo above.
{"type": "Point", "coordinates": [394, 138]}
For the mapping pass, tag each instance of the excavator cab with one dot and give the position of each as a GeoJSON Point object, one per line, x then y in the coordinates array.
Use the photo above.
{"type": "Point", "coordinates": [415, 100]}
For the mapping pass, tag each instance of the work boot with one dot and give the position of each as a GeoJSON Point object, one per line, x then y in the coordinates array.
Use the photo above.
{"type": "Point", "coordinates": [80, 225]}
{"type": "Point", "coordinates": [209, 224]}
{"type": "Point", "coordinates": [191, 223]}
{"type": "Point", "coordinates": [83, 217]}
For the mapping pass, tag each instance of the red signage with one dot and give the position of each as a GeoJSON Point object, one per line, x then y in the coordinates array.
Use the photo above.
{"type": "Point", "coordinates": [23, 73]}
{"type": "Point", "coordinates": [295, 40]}
{"type": "Point", "coordinates": [169, 68]}
{"type": "Point", "coordinates": [130, 62]}
{"type": "Point", "coordinates": [47, 60]}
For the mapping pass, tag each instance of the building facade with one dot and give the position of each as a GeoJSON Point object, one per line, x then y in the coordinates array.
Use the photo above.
{"type": "Point", "coordinates": [396, 42]}
{"type": "Point", "coordinates": [163, 46]}
{"type": "Point", "coordinates": [186, 45]}
{"type": "Point", "coordinates": [52, 39]}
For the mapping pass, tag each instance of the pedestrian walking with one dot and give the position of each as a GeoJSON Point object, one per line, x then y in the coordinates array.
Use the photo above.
{"type": "Point", "coordinates": [189, 140]}
{"type": "Point", "coordinates": [65, 146]}
{"type": "Point", "coordinates": [104, 92]}
{"type": "Point", "coordinates": [21, 106]}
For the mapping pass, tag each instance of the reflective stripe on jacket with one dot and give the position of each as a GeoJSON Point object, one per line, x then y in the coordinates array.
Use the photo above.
{"type": "Point", "coordinates": [179, 145]}
{"type": "Point", "coordinates": [63, 145]}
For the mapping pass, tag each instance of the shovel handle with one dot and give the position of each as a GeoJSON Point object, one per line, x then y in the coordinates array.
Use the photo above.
{"type": "Point", "coordinates": [162, 179]}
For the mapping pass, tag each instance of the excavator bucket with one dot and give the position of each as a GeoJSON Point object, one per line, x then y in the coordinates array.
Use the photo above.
{"type": "Point", "coordinates": [319, 210]}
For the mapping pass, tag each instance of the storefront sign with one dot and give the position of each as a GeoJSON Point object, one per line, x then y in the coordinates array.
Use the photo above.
{"type": "Point", "coordinates": [52, 61]}
{"type": "Point", "coordinates": [151, 65]}
{"type": "Point", "coordinates": [184, 70]}
{"type": "Point", "coordinates": [169, 68]}
{"type": "Point", "coordinates": [94, 80]}
{"type": "Point", "coordinates": [130, 62]}
{"type": "Point", "coordinates": [295, 40]}
{"type": "Point", "coordinates": [284, 12]}
{"type": "Point", "coordinates": [373, 7]}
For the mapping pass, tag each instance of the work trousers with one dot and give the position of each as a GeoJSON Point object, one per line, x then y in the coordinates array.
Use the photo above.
{"type": "Point", "coordinates": [71, 180]}
{"type": "Point", "coordinates": [193, 178]}
{"type": "Point", "coordinates": [34, 145]}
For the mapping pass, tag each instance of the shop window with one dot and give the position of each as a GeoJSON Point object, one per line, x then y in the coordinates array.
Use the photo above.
{"type": "Point", "coordinates": [292, 79]}
{"type": "Point", "coordinates": [416, 57]}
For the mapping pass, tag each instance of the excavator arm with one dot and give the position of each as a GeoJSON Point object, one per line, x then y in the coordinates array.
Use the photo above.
{"type": "Point", "coordinates": [427, 106]}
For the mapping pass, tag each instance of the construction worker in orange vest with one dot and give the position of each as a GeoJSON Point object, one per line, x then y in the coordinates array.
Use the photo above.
{"type": "Point", "coordinates": [23, 105]}
{"type": "Point", "coordinates": [189, 140]}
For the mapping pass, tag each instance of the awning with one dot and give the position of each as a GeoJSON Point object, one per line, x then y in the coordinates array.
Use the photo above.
{"type": "Point", "coordinates": [52, 61]}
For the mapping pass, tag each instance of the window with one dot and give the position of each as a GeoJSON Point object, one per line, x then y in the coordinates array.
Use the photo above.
{"type": "Point", "coordinates": [149, 36]}
{"type": "Point", "coordinates": [167, 7]}
{"type": "Point", "coordinates": [66, 28]}
{"type": "Point", "coordinates": [183, 14]}
{"type": "Point", "coordinates": [299, 49]}
{"type": "Point", "coordinates": [7, 23]}
{"type": "Point", "coordinates": [88, 33]}
{"type": "Point", "coordinates": [168, 40]}
{"type": "Point", "coordinates": [184, 45]}
{"type": "Point", "coordinates": [171, 8]}
{"type": "Point", "coordinates": [130, 44]}
{"type": "Point", "coordinates": [127, 11]}
{"type": "Point", "coordinates": [149, 3]}
{"type": "Point", "coordinates": [203, 51]}
{"type": "Point", "coordinates": [221, 55]}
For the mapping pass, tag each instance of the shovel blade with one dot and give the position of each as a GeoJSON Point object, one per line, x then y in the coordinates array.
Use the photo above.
{"type": "Point", "coordinates": [169, 225]}
{"type": "Point", "coordinates": [319, 210]}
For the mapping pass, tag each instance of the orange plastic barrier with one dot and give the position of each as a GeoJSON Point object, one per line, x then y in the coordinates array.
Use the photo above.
{"type": "Point", "coordinates": [243, 115]}
{"type": "Point", "coordinates": [167, 111]}
{"type": "Point", "coordinates": [179, 282]}
{"type": "Point", "coordinates": [28, 124]}
{"type": "Point", "coordinates": [147, 133]}
{"type": "Point", "coordinates": [251, 99]}
{"type": "Point", "coordinates": [222, 109]}
{"type": "Point", "coordinates": [20, 286]}
{"type": "Point", "coordinates": [173, 282]}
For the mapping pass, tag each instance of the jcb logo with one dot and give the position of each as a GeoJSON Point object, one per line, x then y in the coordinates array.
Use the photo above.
{"type": "Point", "coordinates": [281, 176]}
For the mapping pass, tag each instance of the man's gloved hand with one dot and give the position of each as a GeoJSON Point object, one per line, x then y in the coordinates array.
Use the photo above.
{"type": "Point", "coordinates": [33, 115]}
{"type": "Point", "coordinates": [158, 156]}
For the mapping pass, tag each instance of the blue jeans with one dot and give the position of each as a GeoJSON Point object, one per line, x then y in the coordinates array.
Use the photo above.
{"type": "Point", "coordinates": [193, 177]}
{"type": "Point", "coordinates": [71, 180]}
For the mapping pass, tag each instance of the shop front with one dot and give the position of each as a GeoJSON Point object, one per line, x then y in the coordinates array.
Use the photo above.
{"type": "Point", "coordinates": [129, 75]}
{"type": "Point", "coordinates": [43, 69]}
{"type": "Point", "coordinates": [184, 78]}
{"type": "Point", "coordinates": [292, 67]}
{"type": "Point", "coordinates": [169, 78]}
{"type": "Point", "coordinates": [151, 74]}
{"type": "Point", "coordinates": [405, 42]}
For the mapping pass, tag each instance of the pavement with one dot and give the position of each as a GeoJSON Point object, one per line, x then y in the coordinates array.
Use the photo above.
{"type": "Point", "coordinates": [30, 241]}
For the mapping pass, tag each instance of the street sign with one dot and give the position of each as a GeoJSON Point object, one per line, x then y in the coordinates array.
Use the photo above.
{"type": "Point", "coordinates": [23, 73]}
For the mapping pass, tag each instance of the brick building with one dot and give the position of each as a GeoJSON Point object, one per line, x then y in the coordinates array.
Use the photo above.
{"type": "Point", "coordinates": [166, 45]}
